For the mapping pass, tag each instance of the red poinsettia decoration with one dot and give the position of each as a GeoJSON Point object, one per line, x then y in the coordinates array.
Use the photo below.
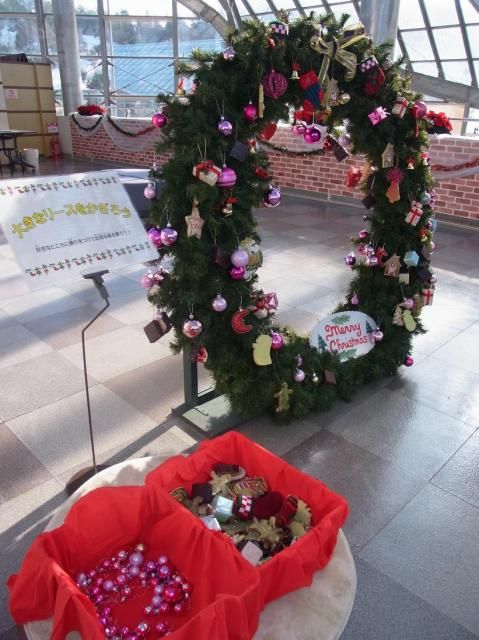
{"type": "Point", "coordinates": [91, 110]}
{"type": "Point", "coordinates": [439, 122]}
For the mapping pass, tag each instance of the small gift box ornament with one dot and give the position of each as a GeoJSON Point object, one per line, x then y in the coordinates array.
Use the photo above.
{"type": "Point", "coordinates": [373, 74]}
{"type": "Point", "coordinates": [414, 214]}
{"type": "Point", "coordinates": [222, 508]}
{"type": "Point", "coordinates": [221, 257]}
{"type": "Point", "coordinates": [239, 151]}
{"type": "Point", "coordinates": [158, 327]}
{"type": "Point", "coordinates": [378, 115]}
{"type": "Point", "coordinates": [411, 258]}
{"type": "Point", "coordinates": [309, 83]}
{"type": "Point", "coordinates": [354, 176]}
{"type": "Point", "coordinates": [331, 144]}
{"type": "Point", "coordinates": [243, 506]}
{"type": "Point", "coordinates": [427, 297]}
{"type": "Point", "coordinates": [207, 172]}
{"type": "Point", "coordinates": [400, 107]}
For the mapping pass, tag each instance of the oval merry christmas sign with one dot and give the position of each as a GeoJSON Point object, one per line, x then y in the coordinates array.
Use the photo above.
{"type": "Point", "coordinates": [348, 333]}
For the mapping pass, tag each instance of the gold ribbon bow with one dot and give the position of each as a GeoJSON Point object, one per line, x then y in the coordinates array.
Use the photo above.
{"type": "Point", "coordinates": [336, 50]}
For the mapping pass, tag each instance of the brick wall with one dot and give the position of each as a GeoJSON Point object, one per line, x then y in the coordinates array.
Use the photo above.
{"type": "Point", "coordinates": [321, 174]}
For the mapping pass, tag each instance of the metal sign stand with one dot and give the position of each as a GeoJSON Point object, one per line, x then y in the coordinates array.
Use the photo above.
{"type": "Point", "coordinates": [206, 411]}
{"type": "Point", "coordinates": [85, 474]}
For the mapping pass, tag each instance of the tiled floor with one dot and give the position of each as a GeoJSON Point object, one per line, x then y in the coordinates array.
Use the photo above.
{"type": "Point", "coordinates": [405, 452]}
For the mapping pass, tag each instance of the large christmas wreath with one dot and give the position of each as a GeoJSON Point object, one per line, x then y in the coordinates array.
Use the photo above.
{"type": "Point", "coordinates": [205, 285]}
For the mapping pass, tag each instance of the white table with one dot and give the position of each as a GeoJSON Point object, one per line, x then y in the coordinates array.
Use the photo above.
{"type": "Point", "coordinates": [318, 612]}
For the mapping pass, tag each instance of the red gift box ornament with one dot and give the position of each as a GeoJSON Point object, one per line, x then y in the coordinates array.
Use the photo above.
{"type": "Point", "coordinates": [378, 115]}
{"type": "Point", "coordinates": [274, 84]}
{"type": "Point", "coordinates": [354, 176]}
{"type": "Point", "coordinates": [207, 171]}
{"type": "Point", "coordinates": [400, 106]}
{"type": "Point", "coordinates": [427, 297]}
{"type": "Point", "coordinates": [414, 214]}
{"type": "Point", "coordinates": [395, 177]}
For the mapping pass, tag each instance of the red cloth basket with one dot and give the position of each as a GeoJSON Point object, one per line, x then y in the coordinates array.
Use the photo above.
{"type": "Point", "coordinates": [293, 567]}
{"type": "Point", "coordinates": [226, 600]}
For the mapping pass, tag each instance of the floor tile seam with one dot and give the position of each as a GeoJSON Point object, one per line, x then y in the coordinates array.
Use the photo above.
{"type": "Point", "coordinates": [29, 452]}
{"type": "Point", "coordinates": [476, 430]}
{"type": "Point", "coordinates": [43, 406]}
{"type": "Point", "coordinates": [454, 495]}
{"type": "Point", "coordinates": [416, 595]}
{"type": "Point", "coordinates": [37, 506]}
{"type": "Point", "coordinates": [434, 407]}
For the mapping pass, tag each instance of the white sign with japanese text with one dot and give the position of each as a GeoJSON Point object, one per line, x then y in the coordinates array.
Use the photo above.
{"type": "Point", "coordinates": [60, 227]}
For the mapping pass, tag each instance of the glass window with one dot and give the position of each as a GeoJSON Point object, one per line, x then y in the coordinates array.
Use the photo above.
{"type": "Point", "coordinates": [197, 33]}
{"type": "Point", "coordinates": [51, 39]}
{"type": "Point", "coordinates": [19, 35]}
{"type": "Point", "coordinates": [91, 75]}
{"type": "Point", "coordinates": [12, 6]}
{"type": "Point", "coordinates": [473, 33]}
{"type": "Point", "coordinates": [138, 7]}
{"type": "Point", "coordinates": [136, 38]}
{"type": "Point", "coordinates": [457, 71]}
{"type": "Point", "coordinates": [470, 13]}
{"type": "Point", "coordinates": [449, 43]}
{"type": "Point", "coordinates": [83, 7]}
{"type": "Point", "coordinates": [417, 45]}
{"type": "Point", "coordinates": [141, 76]}
{"type": "Point", "coordinates": [428, 68]}
{"type": "Point", "coordinates": [410, 16]}
{"type": "Point", "coordinates": [183, 12]}
{"type": "Point", "coordinates": [243, 11]}
{"type": "Point", "coordinates": [440, 12]}
{"type": "Point", "coordinates": [473, 127]}
{"type": "Point", "coordinates": [133, 107]}
{"type": "Point", "coordinates": [88, 35]}
{"type": "Point", "coordinates": [261, 5]}
{"type": "Point", "coordinates": [348, 8]}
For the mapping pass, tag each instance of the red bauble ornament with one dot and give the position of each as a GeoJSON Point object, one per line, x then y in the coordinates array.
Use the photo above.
{"type": "Point", "coordinates": [192, 328]}
{"type": "Point", "coordinates": [274, 84]}
{"type": "Point", "coordinates": [159, 120]}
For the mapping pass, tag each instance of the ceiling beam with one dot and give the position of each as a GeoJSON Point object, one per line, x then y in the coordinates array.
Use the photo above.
{"type": "Point", "coordinates": [208, 14]}
{"type": "Point", "coordinates": [445, 89]}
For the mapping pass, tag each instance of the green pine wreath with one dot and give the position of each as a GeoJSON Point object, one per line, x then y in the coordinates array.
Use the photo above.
{"type": "Point", "coordinates": [224, 87]}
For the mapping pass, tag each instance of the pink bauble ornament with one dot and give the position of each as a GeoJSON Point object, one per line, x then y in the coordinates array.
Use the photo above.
{"type": "Point", "coordinates": [299, 129]}
{"type": "Point", "coordinates": [277, 341]}
{"type": "Point", "coordinates": [225, 127]}
{"type": "Point", "coordinates": [179, 608]}
{"type": "Point", "coordinates": [239, 258]}
{"type": "Point", "coordinates": [362, 249]}
{"type": "Point", "coordinates": [369, 250]}
{"type": "Point", "coordinates": [219, 304]}
{"type": "Point", "coordinates": [168, 235]}
{"type": "Point", "coordinates": [154, 236]}
{"type": "Point", "coordinates": [354, 299]}
{"type": "Point", "coordinates": [191, 329]}
{"type": "Point", "coordinates": [378, 335]}
{"type": "Point", "coordinates": [229, 53]}
{"type": "Point", "coordinates": [299, 375]}
{"type": "Point", "coordinates": [237, 273]}
{"type": "Point", "coordinates": [372, 261]}
{"type": "Point", "coordinates": [421, 108]}
{"type": "Point", "coordinates": [159, 277]}
{"type": "Point", "coordinates": [408, 303]}
{"type": "Point", "coordinates": [274, 84]}
{"type": "Point", "coordinates": [250, 113]}
{"type": "Point", "coordinates": [162, 628]}
{"type": "Point", "coordinates": [408, 361]}
{"type": "Point", "coordinates": [227, 178]}
{"type": "Point", "coordinates": [136, 558]}
{"type": "Point", "coordinates": [150, 191]}
{"type": "Point", "coordinates": [147, 280]}
{"type": "Point", "coordinates": [159, 120]}
{"type": "Point", "coordinates": [172, 593]}
{"type": "Point", "coordinates": [272, 197]}
{"type": "Point", "coordinates": [350, 259]}
{"type": "Point", "coordinates": [363, 234]}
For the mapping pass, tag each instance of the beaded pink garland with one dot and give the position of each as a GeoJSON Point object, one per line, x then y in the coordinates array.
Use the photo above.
{"type": "Point", "coordinates": [122, 578]}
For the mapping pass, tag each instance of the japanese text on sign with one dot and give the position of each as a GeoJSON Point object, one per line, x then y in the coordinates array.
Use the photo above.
{"type": "Point", "coordinates": [64, 227]}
